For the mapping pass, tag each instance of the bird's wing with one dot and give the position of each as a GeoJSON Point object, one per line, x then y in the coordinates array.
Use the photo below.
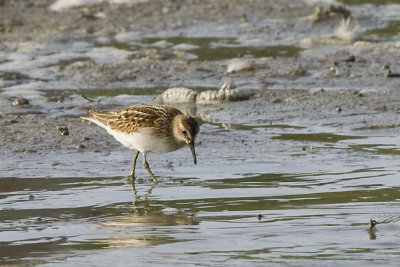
{"type": "Point", "coordinates": [133, 119]}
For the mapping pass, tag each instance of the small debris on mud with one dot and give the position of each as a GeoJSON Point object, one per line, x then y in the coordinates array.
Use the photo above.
{"type": "Point", "coordinates": [20, 101]}
{"type": "Point", "coordinates": [80, 147]}
{"type": "Point", "coordinates": [63, 130]}
{"type": "Point", "coordinates": [393, 75]}
{"type": "Point", "coordinates": [238, 65]}
{"type": "Point", "coordinates": [12, 121]}
{"type": "Point", "coordinates": [382, 108]}
{"type": "Point", "coordinates": [350, 59]}
{"type": "Point", "coordinates": [333, 11]}
{"type": "Point", "coordinates": [372, 229]}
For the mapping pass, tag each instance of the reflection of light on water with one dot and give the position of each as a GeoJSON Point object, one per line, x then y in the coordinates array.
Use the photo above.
{"type": "Point", "coordinates": [150, 220]}
{"type": "Point", "coordinates": [61, 5]}
{"type": "Point", "coordinates": [135, 230]}
{"type": "Point", "coordinates": [142, 242]}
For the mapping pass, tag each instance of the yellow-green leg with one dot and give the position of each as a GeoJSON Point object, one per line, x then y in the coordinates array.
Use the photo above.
{"type": "Point", "coordinates": [146, 165]}
{"type": "Point", "coordinates": [135, 156]}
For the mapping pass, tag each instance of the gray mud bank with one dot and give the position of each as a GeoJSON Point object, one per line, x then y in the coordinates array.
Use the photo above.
{"type": "Point", "coordinates": [304, 63]}
{"type": "Point", "coordinates": [289, 175]}
{"type": "Point", "coordinates": [27, 132]}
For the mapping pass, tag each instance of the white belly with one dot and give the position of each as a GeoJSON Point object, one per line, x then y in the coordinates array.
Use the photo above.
{"type": "Point", "coordinates": [146, 142]}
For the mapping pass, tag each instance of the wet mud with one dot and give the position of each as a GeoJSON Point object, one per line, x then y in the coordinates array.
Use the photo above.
{"type": "Point", "coordinates": [291, 176]}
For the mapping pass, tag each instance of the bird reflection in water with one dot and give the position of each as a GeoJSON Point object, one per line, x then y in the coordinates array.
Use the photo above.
{"type": "Point", "coordinates": [138, 197]}
{"type": "Point", "coordinates": [146, 225]}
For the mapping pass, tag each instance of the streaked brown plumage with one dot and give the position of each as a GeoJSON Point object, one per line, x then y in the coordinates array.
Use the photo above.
{"type": "Point", "coordinates": [148, 128]}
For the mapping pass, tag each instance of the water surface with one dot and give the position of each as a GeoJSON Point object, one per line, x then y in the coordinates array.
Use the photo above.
{"type": "Point", "coordinates": [310, 203]}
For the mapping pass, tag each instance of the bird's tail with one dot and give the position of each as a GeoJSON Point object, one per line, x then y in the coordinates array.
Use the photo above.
{"type": "Point", "coordinates": [99, 118]}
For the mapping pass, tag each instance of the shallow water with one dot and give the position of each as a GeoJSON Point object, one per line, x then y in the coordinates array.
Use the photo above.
{"type": "Point", "coordinates": [208, 48]}
{"type": "Point", "coordinates": [389, 32]}
{"type": "Point", "coordinates": [308, 200]}
{"type": "Point", "coordinates": [293, 183]}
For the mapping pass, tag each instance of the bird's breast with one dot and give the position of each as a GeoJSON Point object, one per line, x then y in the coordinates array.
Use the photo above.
{"type": "Point", "coordinates": [145, 142]}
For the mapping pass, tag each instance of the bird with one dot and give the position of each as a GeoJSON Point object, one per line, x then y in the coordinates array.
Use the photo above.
{"type": "Point", "coordinates": [148, 128]}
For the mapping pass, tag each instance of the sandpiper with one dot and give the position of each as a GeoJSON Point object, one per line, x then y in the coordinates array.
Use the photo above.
{"type": "Point", "coordinates": [148, 128]}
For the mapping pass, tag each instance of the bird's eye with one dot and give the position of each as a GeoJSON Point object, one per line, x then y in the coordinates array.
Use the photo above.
{"type": "Point", "coordinates": [184, 132]}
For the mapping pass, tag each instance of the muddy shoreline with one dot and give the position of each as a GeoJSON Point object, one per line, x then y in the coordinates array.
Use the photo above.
{"type": "Point", "coordinates": [26, 132]}
{"type": "Point", "coordinates": [302, 71]}
{"type": "Point", "coordinates": [149, 44]}
{"type": "Point", "coordinates": [290, 176]}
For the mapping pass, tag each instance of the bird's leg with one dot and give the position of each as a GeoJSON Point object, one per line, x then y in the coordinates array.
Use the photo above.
{"type": "Point", "coordinates": [135, 156]}
{"type": "Point", "coordinates": [146, 165]}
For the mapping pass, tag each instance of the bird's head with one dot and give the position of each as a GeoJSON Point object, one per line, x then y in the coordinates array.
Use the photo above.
{"type": "Point", "coordinates": [185, 130]}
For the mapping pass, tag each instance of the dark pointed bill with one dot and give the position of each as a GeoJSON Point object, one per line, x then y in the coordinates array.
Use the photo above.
{"type": "Point", "coordinates": [191, 145]}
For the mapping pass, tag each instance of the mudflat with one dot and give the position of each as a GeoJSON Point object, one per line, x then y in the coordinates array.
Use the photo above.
{"type": "Point", "coordinates": [292, 175]}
